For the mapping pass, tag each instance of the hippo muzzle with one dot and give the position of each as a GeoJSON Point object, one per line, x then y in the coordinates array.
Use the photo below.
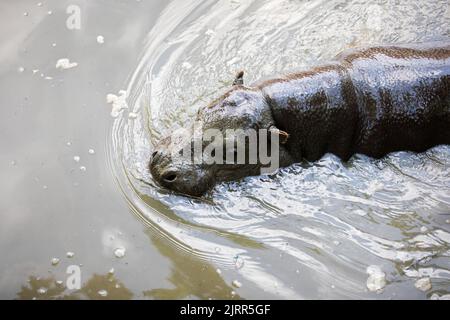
{"type": "Point", "coordinates": [173, 171]}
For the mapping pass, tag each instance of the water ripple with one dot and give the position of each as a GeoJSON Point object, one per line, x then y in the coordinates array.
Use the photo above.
{"type": "Point", "coordinates": [312, 229]}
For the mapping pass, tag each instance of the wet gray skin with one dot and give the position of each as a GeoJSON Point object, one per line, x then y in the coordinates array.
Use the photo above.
{"type": "Point", "coordinates": [242, 108]}
{"type": "Point", "coordinates": [373, 101]}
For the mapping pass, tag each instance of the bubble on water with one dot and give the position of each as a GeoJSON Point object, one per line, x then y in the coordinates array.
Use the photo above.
{"type": "Point", "coordinates": [297, 271]}
{"type": "Point", "coordinates": [70, 254]}
{"type": "Point", "coordinates": [35, 71]}
{"type": "Point", "coordinates": [360, 212]}
{"type": "Point", "coordinates": [76, 158]}
{"type": "Point", "coordinates": [238, 262]}
{"type": "Point", "coordinates": [117, 286]}
{"type": "Point", "coordinates": [447, 221]}
{"type": "Point", "coordinates": [83, 169]}
{"type": "Point", "coordinates": [59, 282]}
{"type": "Point", "coordinates": [236, 283]}
{"type": "Point", "coordinates": [435, 296]}
{"type": "Point", "coordinates": [119, 252]}
{"type": "Point", "coordinates": [68, 143]}
{"type": "Point", "coordinates": [14, 163]}
{"type": "Point", "coordinates": [111, 271]}
{"type": "Point", "coordinates": [233, 293]}
{"type": "Point", "coordinates": [218, 271]}
{"type": "Point", "coordinates": [423, 284]}
{"type": "Point", "coordinates": [64, 63]}
{"type": "Point", "coordinates": [377, 279]}
{"type": "Point", "coordinates": [217, 249]}
{"type": "Point", "coordinates": [186, 65]}
{"type": "Point", "coordinates": [336, 243]}
{"type": "Point", "coordinates": [132, 115]}
{"type": "Point", "coordinates": [25, 14]}
{"type": "Point", "coordinates": [423, 229]}
{"type": "Point", "coordinates": [44, 187]}
{"type": "Point", "coordinates": [100, 39]}
{"type": "Point", "coordinates": [53, 44]}
{"type": "Point", "coordinates": [102, 293]}
{"type": "Point", "coordinates": [21, 69]}
{"type": "Point", "coordinates": [91, 151]}
{"type": "Point", "coordinates": [210, 32]}
{"type": "Point", "coordinates": [42, 290]}
{"type": "Point", "coordinates": [118, 103]}
{"type": "Point", "coordinates": [55, 261]}
{"type": "Point", "coordinates": [50, 12]}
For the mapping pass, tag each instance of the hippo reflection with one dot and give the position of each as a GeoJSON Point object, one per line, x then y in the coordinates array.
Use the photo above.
{"type": "Point", "coordinates": [371, 101]}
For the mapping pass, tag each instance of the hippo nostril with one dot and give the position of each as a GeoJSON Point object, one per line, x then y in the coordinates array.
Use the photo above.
{"type": "Point", "coordinates": [169, 177]}
{"type": "Point", "coordinates": [154, 154]}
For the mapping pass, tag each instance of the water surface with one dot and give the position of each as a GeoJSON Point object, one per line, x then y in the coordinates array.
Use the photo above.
{"type": "Point", "coordinates": [309, 231]}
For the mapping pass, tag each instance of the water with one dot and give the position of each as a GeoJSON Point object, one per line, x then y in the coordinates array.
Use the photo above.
{"type": "Point", "coordinates": [330, 220]}
{"type": "Point", "coordinates": [313, 230]}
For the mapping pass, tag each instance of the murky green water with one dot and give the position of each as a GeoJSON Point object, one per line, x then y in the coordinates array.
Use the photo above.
{"type": "Point", "coordinates": [309, 231]}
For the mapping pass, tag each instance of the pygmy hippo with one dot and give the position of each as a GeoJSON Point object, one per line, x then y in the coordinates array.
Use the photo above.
{"type": "Point", "coordinates": [371, 101]}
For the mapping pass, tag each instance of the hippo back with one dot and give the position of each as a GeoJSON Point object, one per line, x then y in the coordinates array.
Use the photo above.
{"type": "Point", "coordinates": [403, 97]}
{"type": "Point", "coordinates": [371, 101]}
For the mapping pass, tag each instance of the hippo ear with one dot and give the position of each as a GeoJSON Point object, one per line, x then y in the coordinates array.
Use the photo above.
{"type": "Point", "coordinates": [284, 136]}
{"type": "Point", "coordinates": [239, 79]}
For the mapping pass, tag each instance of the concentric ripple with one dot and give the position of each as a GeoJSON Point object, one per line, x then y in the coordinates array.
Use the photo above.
{"type": "Point", "coordinates": [312, 229]}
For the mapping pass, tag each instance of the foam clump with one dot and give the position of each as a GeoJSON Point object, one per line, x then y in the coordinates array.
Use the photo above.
{"type": "Point", "coordinates": [377, 279]}
{"type": "Point", "coordinates": [118, 102]}
{"type": "Point", "coordinates": [65, 63]}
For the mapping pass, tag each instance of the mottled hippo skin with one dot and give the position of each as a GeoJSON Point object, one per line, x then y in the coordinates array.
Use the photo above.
{"type": "Point", "coordinates": [371, 101]}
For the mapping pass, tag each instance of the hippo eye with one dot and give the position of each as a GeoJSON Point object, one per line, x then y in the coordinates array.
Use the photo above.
{"type": "Point", "coordinates": [213, 153]}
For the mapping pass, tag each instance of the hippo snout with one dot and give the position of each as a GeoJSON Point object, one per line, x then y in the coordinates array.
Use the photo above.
{"type": "Point", "coordinates": [165, 177]}
{"type": "Point", "coordinates": [161, 171]}
{"type": "Point", "coordinates": [179, 175]}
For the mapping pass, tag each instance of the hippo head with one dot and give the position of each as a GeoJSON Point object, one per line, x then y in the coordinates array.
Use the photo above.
{"type": "Point", "coordinates": [222, 144]}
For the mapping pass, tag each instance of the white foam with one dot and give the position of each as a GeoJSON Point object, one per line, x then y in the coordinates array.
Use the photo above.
{"type": "Point", "coordinates": [377, 279]}
{"type": "Point", "coordinates": [423, 284]}
{"type": "Point", "coordinates": [100, 39]}
{"type": "Point", "coordinates": [236, 284]}
{"type": "Point", "coordinates": [119, 102]}
{"type": "Point", "coordinates": [65, 63]}
{"type": "Point", "coordinates": [102, 293]}
{"type": "Point", "coordinates": [119, 252]}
